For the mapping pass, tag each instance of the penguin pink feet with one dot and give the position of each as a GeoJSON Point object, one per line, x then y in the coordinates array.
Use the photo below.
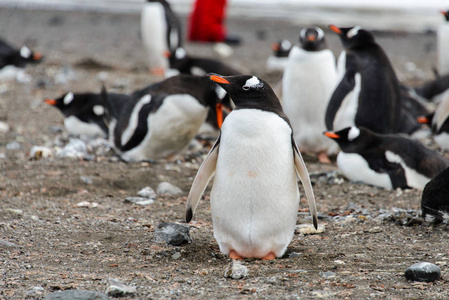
{"type": "Point", "coordinates": [269, 256]}
{"type": "Point", "coordinates": [157, 71]}
{"type": "Point", "coordinates": [233, 254]}
{"type": "Point", "coordinates": [323, 158]}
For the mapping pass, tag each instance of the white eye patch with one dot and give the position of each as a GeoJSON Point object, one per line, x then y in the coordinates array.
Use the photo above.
{"type": "Point", "coordinates": [320, 33]}
{"type": "Point", "coordinates": [25, 52]}
{"type": "Point", "coordinates": [180, 53]}
{"type": "Point", "coordinates": [68, 98]}
{"type": "Point", "coordinates": [253, 82]}
{"type": "Point", "coordinates": [98, 110]}
{"type": "Point", "coordinates": [353, 133]}
{"type": "Point", "coordinates": [285, 45]}
{"type": "Point", "coordinates": [353, 32]}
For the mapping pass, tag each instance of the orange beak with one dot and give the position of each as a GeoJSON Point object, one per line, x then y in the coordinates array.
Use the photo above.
{"type": "Point", "coordinates": [311, 38]}
{"type": "Point", "coordinates": [219, 79]}
{"type": "Point", "coordinates": [50, 101]}
{"type": "Point", "coordinates": [423, 120]}
{"type": "Point", "coordinates": [331, 135]}
{"type": "Point", "coordinates": [37, 56]}
{"type": "Point", "coordinates": [444, 13]}
{"type": "Point", "coordinates": [335, 29]}
{"type": "Point", "coordinates": [219, 111]}
{"type": "Point", "coordinates": [167, 54]}
{"type": "Point", "coordinates": [275, 46]}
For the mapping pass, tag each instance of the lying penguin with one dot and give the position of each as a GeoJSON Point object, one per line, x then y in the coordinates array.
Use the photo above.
{"type": "Point", "coordinates": [84, 112]}
{"type": "Point", "coordinates": [255, 161]}
{"type": "Point", "coordinates": [13, 61]}
{"type": "Point", "coordinates": [385, 160]}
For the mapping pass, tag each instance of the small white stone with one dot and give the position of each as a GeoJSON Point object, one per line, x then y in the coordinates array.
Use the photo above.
{"type": "Point", "coordinates": [236, 270]}
{"type": "Point", "coordinates": [168, 188]}
{"type": "Point", "coordinates": [309, 229]}
{"type": "Point", "coordinates": [147, 192]}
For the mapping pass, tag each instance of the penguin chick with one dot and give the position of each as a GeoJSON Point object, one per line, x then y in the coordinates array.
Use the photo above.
{"type": "Point", "coordinates": [309, 79]}
{"type": "Point", "coordinates": [255, 161]}
{"type": "Point", "coordinates": [435, 197]}
{"type": "Point", "coordinates": [84, 112]}
{"type": "Point", "coordinates": [385, 160]}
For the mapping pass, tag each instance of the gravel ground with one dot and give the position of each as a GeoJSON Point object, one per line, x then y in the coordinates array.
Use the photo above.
{"type": "Point", "coordinates": [65, 224]}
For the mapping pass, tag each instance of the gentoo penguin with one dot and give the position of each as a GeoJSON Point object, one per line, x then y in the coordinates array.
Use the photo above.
{"type": "Point", "coordinates": [186, 64]}
{"type": "Point", "coordinates": [84, 112]}
{"type": "Point", "coordinates": [161, 32]}
{"type": "Point", "coordinates": [162, 122]}
{"type": "Point", "coordinates": [255, 197]}
{"type": "Point", "coordinates": [368, 94]}
{"type": "Point", "coordinates": [309, 79]}
{"type": "Point", "coordinates": [13, 61]}
{"type": "Point", "coordinates": [435, 90]}
{"type": "Point", "coordinates": [435, 197]}
{"type": "Point", "coordinates": [443, 45]}
{"type": "Point", "coordinates": [385, 160]}
{"type": "Point", "coordinates": [439, 122]}
{"type": "Point", "coordinates": [278, 59]}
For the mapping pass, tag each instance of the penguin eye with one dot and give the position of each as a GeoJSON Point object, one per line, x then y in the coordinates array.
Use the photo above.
{"type": "Point", "coordinates": [245, 87]}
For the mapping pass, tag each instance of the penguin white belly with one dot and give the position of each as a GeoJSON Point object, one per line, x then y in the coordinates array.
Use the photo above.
{"type": "Point", "coordinates": [414, 179]}
{"type": "Point", "coordinates": [308, 82]}
{"type": "Point", "coordinates": [255, 197]}
{"type": "Point", "coordinates": [170, 128]}
{"type": "Point", "coordinates": [153, 27]}
{"type": "Point", "coordinates": [442, 140]}
{"type": "Point", "coordinates": [345, 116]}
{"type": "Point", "coordinates": [275, 63]}
{"type": "Point", "coordinates": [341, 65]}
{"type": "Point", "coordinates": [75, 126]}
{"type": "Point", "coordinates": [356, 168]}
{"type": "Point", "coordinates": [443, 49]}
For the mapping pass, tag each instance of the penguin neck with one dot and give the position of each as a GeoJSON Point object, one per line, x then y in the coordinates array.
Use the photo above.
{"type": "Point", "coordinates": [313, 46]}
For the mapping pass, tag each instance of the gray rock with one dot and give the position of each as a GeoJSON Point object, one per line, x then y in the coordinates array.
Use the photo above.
{"type": "Point", "coordinates": [176, 255]}
{"type": "Point", "coordinates": [76, 148]}
{"type": "Point", "coordinates": [139, 200]}
{"type": "Point", "coordinates": [7, 244]}
{"type": "Point", "coordinates": [293, 255]}
{"type": "Point", "coordinates": [119, 289]}
{"type": "Point", "coordinates": [76, 295]}
{"type": "Point", "coordinates": [328, 275]}
{"type": "Point", "coordinates": [13, 146]}
{"type": "Point", "coordinates": [423, 271]}
{"type": "Point", "coordinates": [168, 188]}
{"type": "Point", "coordinates": [236, 270]}
{"type": "Point", "coordinates": [86, 179]}
{"type": "Point", "coordinates": [147, 192]}
{"type": "Point", "coordinates": [172, 233]}
{"type": "Point", "coordinates": [4, 127]}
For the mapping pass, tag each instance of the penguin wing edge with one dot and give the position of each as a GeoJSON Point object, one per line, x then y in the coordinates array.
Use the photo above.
{"type": "Point", "coordinates": [301, 169]}
{"type": "Point", "coordinates": [205, 173]}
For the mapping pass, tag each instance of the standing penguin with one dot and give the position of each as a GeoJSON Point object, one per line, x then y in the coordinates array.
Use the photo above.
{"type": "Point", "coordinates": [309, 79]}
{"type": "Point", "coordinates": [277, 61]}
{"type": "Point", "coordinates": [13, 61]}
{"type": "Point", "coordinates": [255, 196]}
{"type": "Point", "coordinates": [161, 122]}
{"type": "Point", "coordinates": [385, 160]}
{"type": "Point", "coordinates": [368, 94]}
{"type": "Point", "coordinates": [439, 122]}
{"type": "Point", "coordinates": [84, 112]}
{"type": "Point", "coordinates": [443, 45]}
{"type": "Point", "coordinates": [161, 32]}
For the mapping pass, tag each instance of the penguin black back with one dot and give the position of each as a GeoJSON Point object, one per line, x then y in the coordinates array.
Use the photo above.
{"type": "Point", "coordinates": [17, 57]}
{"type": "Point", "coordinates": [435, 197]}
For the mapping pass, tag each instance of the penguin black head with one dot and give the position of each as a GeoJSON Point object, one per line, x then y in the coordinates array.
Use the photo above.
{"type": "Point", "coordinates": [22, 57]}
{"type": "Point", "coordinates": [62, 102]}
{"type": "Point", "coordinates": [178, 58]}
{"type": "Point", "coordinates": [71, 103]}
{"type": "Point", "coordinates": [312, 39]}
{"type": "Point", "coordinates": [281, 48]}
{"type": "Point", "coordinates": [353, 36]}
{"type": "Point", "coordinates": [445, 13]}
{"type": "Point", "coordinates": [248, 91]}
{"type": "Point", "coordinates": [352, 139]}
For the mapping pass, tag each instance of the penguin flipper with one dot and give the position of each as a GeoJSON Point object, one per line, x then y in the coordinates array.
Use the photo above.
{"type": "Point", "coordinates": [205, 173]}
{"type": "Point", "coordinates": [301, 169]}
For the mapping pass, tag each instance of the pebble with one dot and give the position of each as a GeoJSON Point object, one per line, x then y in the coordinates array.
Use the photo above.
{"type": "Point", "coordinates": [168, 188]}
{"type": "Point", "coordinates": [176, 255]}
{"type": "Point", "coordinates": [87, 204]}
{"type": "Point", "coordinates": [139, 200]}
{"type": "Point", "coordinates": [309, 229]}
{"type": "Point", "coordinates": [4, 127]}
{"type": "Point", "coordinates": [13, 146]}
{"type": "Point", "coordinates": [15, 211]}
{"type": "Point", "coordinates": [119, 289]}
{"type": "Point", "coordinates": [236, 270]}
{"type": "Point", "coordinates": [86, 179]}
{"type": "Point", "coordinates": [76, 294]}
{"type": "Point", "coordinates": [328, 275]}
{"type": "Point", "coordinates": [172, 233]}
{"type": "Point", "coordinates": [7, 244]}
{"type": "Point", "coordinates": [38, 152]}
{"type": "Point", "coordinates": [76, 148]}
{"type": "Point", "coordinates": [423, 271]}
{"type": "Point", "coordinates": [147, 192]}
{"type": "Point", "coordinates": [294, 255]}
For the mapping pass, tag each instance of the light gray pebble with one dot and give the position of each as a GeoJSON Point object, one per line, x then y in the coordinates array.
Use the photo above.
{"type": "Point", "coordinates": [172, 233]}
{"type": "Point", "coordinates": [13, 146]}
{"type": "Point", "coordinates": [423, 271]}
{"type": "Point", "coordinates": [293, 255]}
{"type": "Point", "coordinates": [147, 192]}
{"type": "Point", "coordinates": [236, 270]}
{"type": "Point", "coordinates": [7, 244]}
{"type": "Point", "coordinates": [139, 200]}
{"type": "Point", "coordinates": [86, 179]}
{"type": "Point", "coordinates": [76, 148]}
{"type": "Point", "coordinates": [176, 255]}
{"type": "Point", "coordinates": [328, 275]}
{"type": "Point", "coordinates": [168, 188]}
{"type": "Point", "coordinates": [76, 295]}
{"type": "Point", "coordinates": [119, 289]}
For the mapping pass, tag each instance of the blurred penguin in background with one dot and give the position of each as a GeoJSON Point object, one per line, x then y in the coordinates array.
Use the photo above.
{"type": "Point", "coordinates": [161, 32]}
{"type": "Point", "coordinates": [443, 45]}
{"type": "Point", "coordinates": [13, 61]}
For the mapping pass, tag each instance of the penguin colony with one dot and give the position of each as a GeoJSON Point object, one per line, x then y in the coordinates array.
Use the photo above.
{"type": "Point", "coordinates": [354, 109]}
